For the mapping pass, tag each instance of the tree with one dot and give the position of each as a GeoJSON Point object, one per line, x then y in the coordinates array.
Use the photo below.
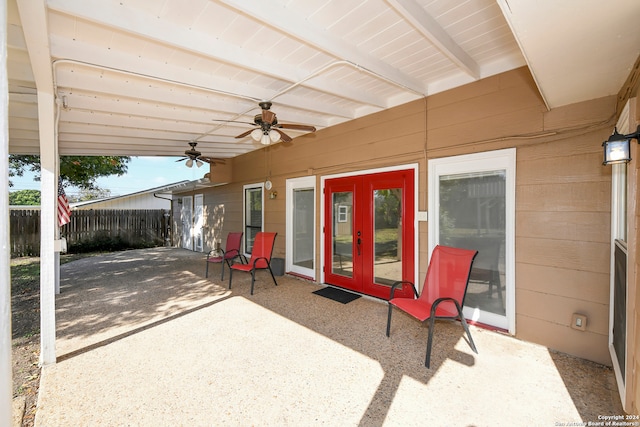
{"type": "Point", "coordinates": [86, 195]}
{"type": "Point", "coordinates": [24, 197]}
{"type": "Point", "coordinates": [79, 171]}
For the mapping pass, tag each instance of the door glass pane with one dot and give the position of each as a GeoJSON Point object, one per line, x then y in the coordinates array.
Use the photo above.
{"type": "Point", "coordinates": [387, 224]}
{"type": "Point", "coordinates": [187, 222]}
{"type": "Point", "coordinates": [303, 208]}
{"type": "Point", "coordinates": [342, 239]}
{"type": "Point", "coordinates": [198, 221]}
{"type": "Point", "coordinates": [253, 216]}
{"type": "Point", "coordinates": [473, 216]}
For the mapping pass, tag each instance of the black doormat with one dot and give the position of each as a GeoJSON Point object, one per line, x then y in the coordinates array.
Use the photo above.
{"type": "Point", "coordinates": [337, 294]}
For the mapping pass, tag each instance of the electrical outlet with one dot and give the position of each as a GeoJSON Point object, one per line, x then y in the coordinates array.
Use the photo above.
{"type": "Point", "coordinates": [579, 322]}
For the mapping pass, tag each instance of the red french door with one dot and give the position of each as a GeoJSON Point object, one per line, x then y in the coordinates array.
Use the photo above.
{"type": "Point", "coordinates": [369, 235]}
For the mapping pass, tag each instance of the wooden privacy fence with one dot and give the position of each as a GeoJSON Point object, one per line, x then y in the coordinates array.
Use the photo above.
{"type": "Point", "coordinates": [24, 232]}
{"type": "Point", "coordinates": [101, 229]}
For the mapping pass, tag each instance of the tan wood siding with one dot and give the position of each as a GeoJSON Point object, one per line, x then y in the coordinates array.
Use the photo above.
{"type": "Point", "coordinates": [563, 282]}
{"type": "Point", "coordinates": [555, 336]}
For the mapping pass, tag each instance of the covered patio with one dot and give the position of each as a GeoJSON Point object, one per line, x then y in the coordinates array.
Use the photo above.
{"type": "Point", "coordinates": [409, 85]}
{"type": "Point", "coordinates": [144, 339]}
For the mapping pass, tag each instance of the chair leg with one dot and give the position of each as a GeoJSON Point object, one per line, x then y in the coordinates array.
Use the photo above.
{"type": "Point", "coordinates": [222, 268]}
{"type": "Point", "coordinates": [272, 276]}
{"type": "Point", "coordinates": [230, 276]}
{"type": "Point", "coordinates": [465, 326]}
{"type": "Point", "coordinates": [389, 319]}
{"type": "Point", "coordinates": [253, 279]}
{"type": "Point", "coordinates": [206, 270]}
{"type": "Point", "coordinates": [498, 284]}
{"type": "Point", "coordinates": [432, 324]}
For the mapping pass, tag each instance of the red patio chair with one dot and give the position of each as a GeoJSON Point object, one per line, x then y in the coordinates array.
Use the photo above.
{"type": "Point", "coordinates": [228, 255]}
{"type": "Point", "coordinates": [442, 297]}
{"type": "Point", "coordinates": [260, 258]}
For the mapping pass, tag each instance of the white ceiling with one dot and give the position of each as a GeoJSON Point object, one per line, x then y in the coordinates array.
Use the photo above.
{"type": "Point", "coordinates": [145, 77]}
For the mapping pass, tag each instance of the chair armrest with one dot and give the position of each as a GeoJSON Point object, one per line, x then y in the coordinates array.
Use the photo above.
{"type": "Point", "coordinates": [258, 259]}
{"type": "Point", "coordinates": [437, 302]}
{"type": "Point", "coordinates": [401, 283]}
{"type": "Point", "coordinates": [232, 253]}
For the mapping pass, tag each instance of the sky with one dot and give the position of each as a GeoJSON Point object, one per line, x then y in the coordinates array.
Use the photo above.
{"type": "Point", "coordinates": [142, 173]}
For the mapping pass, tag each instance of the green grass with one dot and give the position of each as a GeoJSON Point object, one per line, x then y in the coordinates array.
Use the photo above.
{"type": "Point", "coordinates": [386, 241]}
{"type": "Point", "coordinates": [26, 270]}
{"type": "Point", "coordinates": [387, 235]}
{"type": "Point", "coordinates": [383, 235]}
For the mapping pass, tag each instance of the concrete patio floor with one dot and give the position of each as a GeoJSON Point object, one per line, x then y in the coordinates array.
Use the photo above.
{"type": "Point", "coordinates": [144, 339]}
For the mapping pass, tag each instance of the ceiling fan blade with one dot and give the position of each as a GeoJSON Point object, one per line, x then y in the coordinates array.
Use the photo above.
{"type": "Point", "coordinates": [211, 160]}
{"type": "Point", "coordinates": [232, 121]}
{"type": "Point", "coordinates": [181, 160]}
{"type": "Point", "coordinates": [268, 116]}
{"type": "Point", "coordinates": [243, 134]}
{"type": "Point", "coordinates": [306, 128]}
{"type": "Point", "coordinates": [283, 136]}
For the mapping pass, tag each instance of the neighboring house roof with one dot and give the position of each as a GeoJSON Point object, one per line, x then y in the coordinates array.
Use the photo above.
{"type": "Point", "coordinates": [185, 186]}
{"type": "Point", "coordinates": [165, 189]}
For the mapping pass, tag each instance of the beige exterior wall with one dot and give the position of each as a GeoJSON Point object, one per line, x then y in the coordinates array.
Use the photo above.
{"type": "Point", "coordinates": [562, 190]}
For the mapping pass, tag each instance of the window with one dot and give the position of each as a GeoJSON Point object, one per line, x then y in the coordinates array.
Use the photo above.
{"type": "Point", "coordinates": [472, 205]}
{"type": "Point", "coordinates": [253, 218]}
{"type": "Point", "coordinates": [343, 213]}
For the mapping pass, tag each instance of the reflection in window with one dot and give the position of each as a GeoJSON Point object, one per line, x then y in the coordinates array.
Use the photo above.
{"type": "Point", "coordinates": [473, 216]}
{"type": "Point", "coordinates": [303, 223]}
{"type": "Point", "coordinates": [387, 236]}
{"type": "Point", "coordinates": [342, 234]}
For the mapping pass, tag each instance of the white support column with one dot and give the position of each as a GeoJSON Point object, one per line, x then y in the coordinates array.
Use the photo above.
{"type": "Point", "coordinates": [48, 227]}
{"type": "Point", "coordinates": [6, 388]}
{"type": "Point", "coordinates": [33, 15]}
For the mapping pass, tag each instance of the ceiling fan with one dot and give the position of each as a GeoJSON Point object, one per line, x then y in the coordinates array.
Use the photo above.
{"type": "Point", "coordinates": [194, 156]}
{"type": "Point", "coordinates": [268, 129]}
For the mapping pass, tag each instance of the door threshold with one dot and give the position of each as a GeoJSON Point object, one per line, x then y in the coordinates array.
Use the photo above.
{"type": "Point", "coordinates": [488, 327]}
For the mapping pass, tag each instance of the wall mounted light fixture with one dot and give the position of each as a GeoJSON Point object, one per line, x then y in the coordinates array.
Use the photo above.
{"type": "Point", "coordinates": [617, 149]}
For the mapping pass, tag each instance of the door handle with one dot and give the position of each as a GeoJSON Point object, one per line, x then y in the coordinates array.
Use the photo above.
{"type": "Point", "coordinates": [359, 241]}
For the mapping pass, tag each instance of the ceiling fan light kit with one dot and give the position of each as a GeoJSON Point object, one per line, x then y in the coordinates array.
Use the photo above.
{"type": "Point", "coordinates": [256, 134]}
